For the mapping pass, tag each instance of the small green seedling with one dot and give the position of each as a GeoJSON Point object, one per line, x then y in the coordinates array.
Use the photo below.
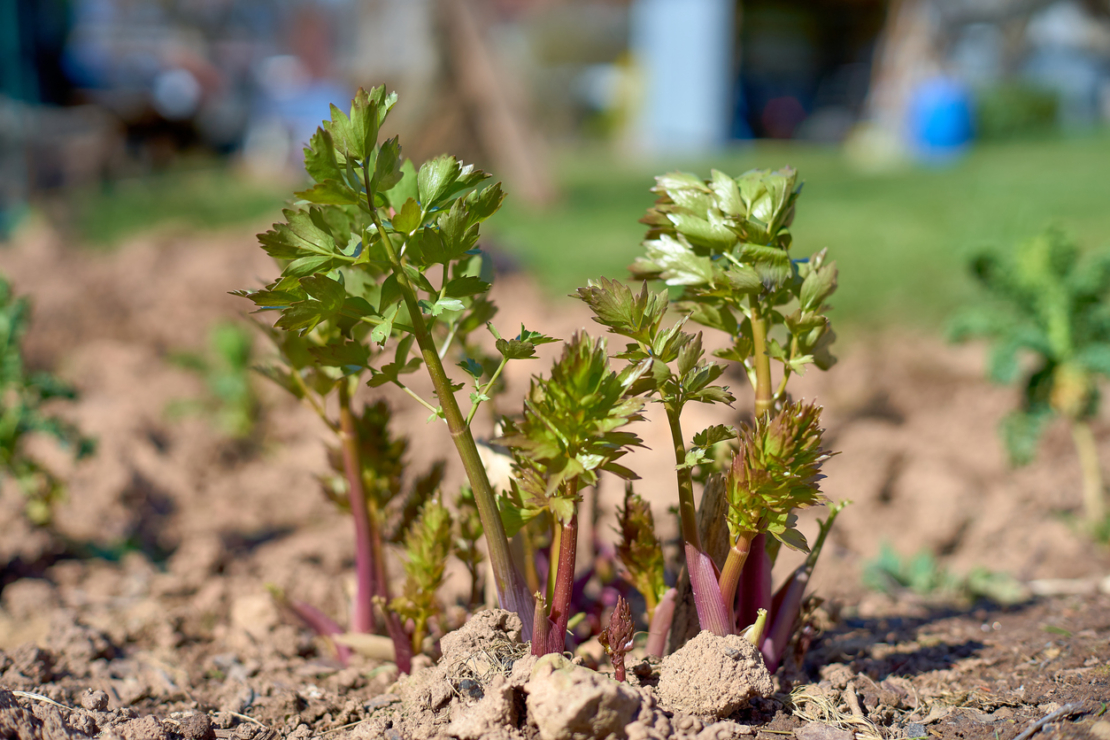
{"type": "Point", "coordinates": [922, 574]}
{"type": "Point", "coordinates": [22, 395]}
{"type": "Point", "coordinates": [1050, 302]}
{"type": "Point", "coordinates": [228, 372]}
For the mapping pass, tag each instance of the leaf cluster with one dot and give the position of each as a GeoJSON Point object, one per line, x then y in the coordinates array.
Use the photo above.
{"type": "Point", "coordinates": [570, 427]}
{"type": "Point", "coordinates": [725, 242]}
{"type": "Point", "coordinates": [776, 471]}
{"type": "Point", "coordinates": [670, 362]}
{"type": "Point", "coordinates": [428, 544]}
{"type": "Point", "coordinates": [371, 226]}
{"type": "Point", "coordinates": [640, 550]}
{"type": "Point", "coordinates": [22, 395]}
{"type": "Point", "coordinates": [1046, 299]}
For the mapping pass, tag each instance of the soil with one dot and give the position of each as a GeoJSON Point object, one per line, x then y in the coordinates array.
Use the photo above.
{"type": "Point", "coordinates": [144, 612]}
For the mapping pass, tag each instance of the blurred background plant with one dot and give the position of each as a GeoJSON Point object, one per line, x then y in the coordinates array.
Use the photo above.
{"type": "Point", "coordinates": [922, 574]}
{"type": "Point", "coordinates": [1049, 302]}
{"type": "Point", "coordinates": [23, 414]}
{"type": "Point", "coordinates": [227, 369]}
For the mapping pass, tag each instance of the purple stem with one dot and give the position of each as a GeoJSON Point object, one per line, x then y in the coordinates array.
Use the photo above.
{"type": "Point", "coordinates": [661, 623]}
{"type": "Point", "coordinates": [362, 612]}
{"type": "Point", "coordinates": [788, 603]}
{"type": "Point", "coordinates": [564, 586]}
{"type": "Point", "coordinates": [321, 624]}
{"type": "Point", "coordinates": [713, 614]}
{"type": "Point", "coordinates": [755, 585]}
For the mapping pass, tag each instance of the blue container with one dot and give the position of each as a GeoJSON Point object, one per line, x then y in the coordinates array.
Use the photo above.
{"type": "Point", "coordinates": [940, 119]}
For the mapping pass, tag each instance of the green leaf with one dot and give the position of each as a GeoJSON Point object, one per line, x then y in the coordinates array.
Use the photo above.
{"type": "Point", "coordinates": [408, 219]}
{"type": "Point", "coordinates": [319, 158]}
{"type": "Point", "coordinates": [614, 305]}
{"type": "Point", "coordinates": [711, 234]}
{"type": "Point", "coordinates": [514, 517]}
{"type": "Point", "coordinates": [714, 434]}
{"type": "Point", "coordinates": [387, 166]}
{"type": "Point", "coordinates": [436, 178]}
{"type": "Point", "coordinates": [485, 202]}
{"type": "Point", "coordinates": [405, 188]}
{"type": "Point", "coordinates": [458, 231]}
{"type": "Point", "coordinates": [463, 287]}
{"type": "Point", "coordinates": [330, 192]}
{"type": "Point", "coordinates": [351, 356]}
{"type": "Point", "coordinates": [330, 293]}
{"type": "Point", "coordinates": [472, 367]}
{"type": "Point", "coordinates": [677, 262]}
{"type": "Point", "coordinates": [818, 285]}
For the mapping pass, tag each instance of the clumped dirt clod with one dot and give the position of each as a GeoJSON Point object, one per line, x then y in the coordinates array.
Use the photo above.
{"type": "Point", "coordinates": [569, 702]}
{"type": "Point", "coordinates": [713, 676]}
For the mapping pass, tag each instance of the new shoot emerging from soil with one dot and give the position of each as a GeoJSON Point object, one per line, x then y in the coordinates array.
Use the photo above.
{"type": "Point", "coordinates": [723, 245]}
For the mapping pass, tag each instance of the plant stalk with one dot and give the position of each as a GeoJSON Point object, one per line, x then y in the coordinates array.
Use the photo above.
{"type": "Point", "coordinates": [734, 566]}
{"type": "Point", "coordinates": [1093, 499]}
{"type": "Point", "coordinates": [688, 515]}
{"type": "Point", "coordinates": [371, 578]}
{"type": "Point", "coordinates": [512, 592]}
{"type": "Point", "coordinates": [764, 398]}
{"type": "Point", "coordinates": [362, 617]}
{"type": "Point", "coordinates": [754, 592]}
{"type": "Point", "coordinates": [564, 578]}
{"type": "Point", "coordinates": [713, 613]}
{"type": "Point", "coordinates": [660, 623]}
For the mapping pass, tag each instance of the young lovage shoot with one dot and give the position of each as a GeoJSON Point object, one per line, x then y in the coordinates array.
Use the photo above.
{"type": "Point", "coordinates": [568, 434]}
{"type": "Point", "coordinates": [723, 245]}
{"type": "Point", "coordinates": [381, 276]}
{"type": "Point", "coordinates": [1049, 301]}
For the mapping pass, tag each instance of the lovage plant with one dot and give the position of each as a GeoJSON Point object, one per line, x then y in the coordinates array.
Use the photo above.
{"type": "Point", "coordinates": [723, 245]}
{"type": "Point", "coordinates": [22, 395]}
{"type": "Point", "coordinates": [382, 276]}
{"type": "Point", "coordinates": [1048, 301]}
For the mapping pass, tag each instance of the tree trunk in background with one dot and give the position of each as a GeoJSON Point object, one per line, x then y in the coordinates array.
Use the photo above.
{"type": "Point", "coordinates": [907, 54]}
{"type": "Point", "coordinates": [492, 107]}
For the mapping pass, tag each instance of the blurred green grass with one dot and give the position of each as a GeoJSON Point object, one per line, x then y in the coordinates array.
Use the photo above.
{"type": "Point", "coordinates": [206, 197]}
{"type": "Point", "coordinates": [902, 238]}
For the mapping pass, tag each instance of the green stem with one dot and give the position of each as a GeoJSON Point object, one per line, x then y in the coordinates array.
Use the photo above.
{"type": "Point", "coordinates": [310, 399]}
{"type": "Point", "coordinates": [416, 396]}
{"type": "Point", "coordinates": [553, 563]}
{"type": "Point", "coordinates": [512, 593]}
{"type": "Point", "coordinates": [764, 400]}
{"type": "Point", "coordinates": [1087, 448]}
{"type": "Point", "coordinates": [687, 512]}
{"type": "Point", "coordinates": [485, 388]}
{"type": "Point", "coordinates": [734, 566]}
{"type": "Point", "coordinates": [531, 576]}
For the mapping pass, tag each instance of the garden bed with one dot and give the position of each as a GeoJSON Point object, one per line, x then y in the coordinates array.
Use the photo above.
{"type": "Point", "coordinates": [152, 591]}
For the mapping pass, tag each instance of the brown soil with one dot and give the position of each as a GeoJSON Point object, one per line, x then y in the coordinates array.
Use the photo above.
{"type": "Point", "coordinates": [145, 613]}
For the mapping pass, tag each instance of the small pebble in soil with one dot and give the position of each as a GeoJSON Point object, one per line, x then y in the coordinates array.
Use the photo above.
{"type": "Point", "coordinates": [914, 729]}
{"type": "Point", "coordinates": [470, 687]}
{"type": "Point", "coordinates": [197, 727]}
{"type": "Point", "coordinates": [94, 701]}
